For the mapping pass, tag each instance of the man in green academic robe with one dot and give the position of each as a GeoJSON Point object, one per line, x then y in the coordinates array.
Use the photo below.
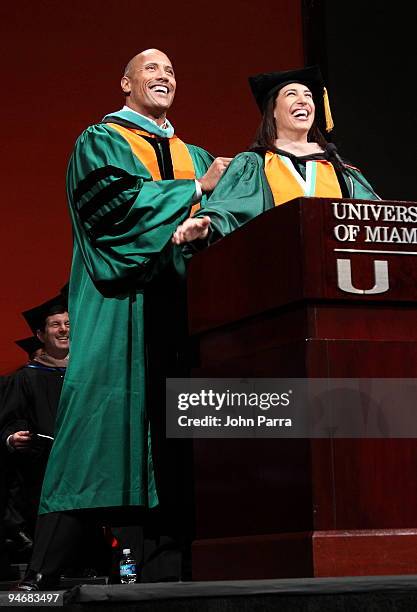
{"type": "Point", "coordinates": [130, 182]}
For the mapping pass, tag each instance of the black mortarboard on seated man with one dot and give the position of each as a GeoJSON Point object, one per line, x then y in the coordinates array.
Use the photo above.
{"type": "Point", "coordinates": [267, 84]}
{"type": "Point", "coordinates": [30, 345]}
{"type": "Point", "coordinates": [36, 317]}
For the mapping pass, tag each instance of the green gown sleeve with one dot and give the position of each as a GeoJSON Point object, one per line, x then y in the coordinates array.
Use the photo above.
{"type": "Point", "coordinates": [242, 194]}
{"type": "Point", "coordinates": [201, 159]}
{"type": "Point", "coordinates": [359, 187]}
{"type": "Point", "coordinates": [123, 220]}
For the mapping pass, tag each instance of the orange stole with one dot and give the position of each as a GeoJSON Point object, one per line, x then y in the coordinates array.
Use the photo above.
{"type": "Point", "coordinates": [285, 187]}
{"type": "Point", "coordinates": [182, 162]}
{"type": "Point", "coordinates": [181, 158]}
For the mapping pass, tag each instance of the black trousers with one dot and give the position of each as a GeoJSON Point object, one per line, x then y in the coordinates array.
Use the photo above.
{"type": "Point", "coordinates": [58, 544]}
{"type": "Point", "coordinates": [63, 540]}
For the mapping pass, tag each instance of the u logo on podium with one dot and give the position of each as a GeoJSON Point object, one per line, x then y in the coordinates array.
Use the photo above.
{"type": "Point", "coordinates": [344, 277]}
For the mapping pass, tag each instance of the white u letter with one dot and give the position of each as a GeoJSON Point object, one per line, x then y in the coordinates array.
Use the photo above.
{"type": "Point", "coordinates": [344, 278]}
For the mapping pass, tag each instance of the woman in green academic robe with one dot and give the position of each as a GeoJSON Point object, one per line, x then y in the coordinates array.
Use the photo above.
{"type": "Point", "coordinates": [289, 158]}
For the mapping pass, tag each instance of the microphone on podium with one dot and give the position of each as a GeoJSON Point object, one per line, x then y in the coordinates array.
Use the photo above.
{"type": "Point", "coordinates": [331, 151]}
{"type": "Point", "coordinates": [332, 154]}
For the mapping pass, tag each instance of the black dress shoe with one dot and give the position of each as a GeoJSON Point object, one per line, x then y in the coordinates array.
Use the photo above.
{"type": "Point", "coordinates": [34, 581]}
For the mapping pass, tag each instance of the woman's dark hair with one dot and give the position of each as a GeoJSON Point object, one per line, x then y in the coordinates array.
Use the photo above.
{"type": "Point", "coordinates": [266, 133]}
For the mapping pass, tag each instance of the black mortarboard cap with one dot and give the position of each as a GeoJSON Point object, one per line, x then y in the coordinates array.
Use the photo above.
{"type": "Point", "coordinates": [29, 345]}
{"type": "Point", "coordinates": [35, 317]}
{"type": "Point", "coordinates": [267, 84]}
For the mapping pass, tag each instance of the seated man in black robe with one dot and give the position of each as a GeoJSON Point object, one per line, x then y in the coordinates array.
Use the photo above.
{"type": "Point", "coordinates": [27, 418]}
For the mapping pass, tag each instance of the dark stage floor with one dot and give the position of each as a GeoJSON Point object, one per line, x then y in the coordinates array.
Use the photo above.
{"type": "Point", "coordinates": [370, 594]}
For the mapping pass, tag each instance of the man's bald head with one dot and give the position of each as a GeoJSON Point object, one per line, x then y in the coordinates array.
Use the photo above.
{"type": "Point", "coordinates": [149, 84]}
{"type": "Point", "coordinates": [139, 58]}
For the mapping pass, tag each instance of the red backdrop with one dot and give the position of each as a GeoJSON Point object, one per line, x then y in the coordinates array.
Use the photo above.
{"type": "Point", "coordinates": [61, 67]}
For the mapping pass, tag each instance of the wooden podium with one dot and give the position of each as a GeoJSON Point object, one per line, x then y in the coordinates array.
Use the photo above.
{"type": "Point", "coordinates": [314, 288]}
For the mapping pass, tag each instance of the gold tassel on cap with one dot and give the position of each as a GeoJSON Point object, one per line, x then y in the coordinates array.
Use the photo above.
{"type": "Point", "coordinates": [327, 111]}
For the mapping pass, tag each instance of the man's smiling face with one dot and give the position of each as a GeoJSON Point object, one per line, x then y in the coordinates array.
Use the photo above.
{"type": "Point", "coordinates": [149, 84]}
{"type": "Point", "coordinates": [55, 336]}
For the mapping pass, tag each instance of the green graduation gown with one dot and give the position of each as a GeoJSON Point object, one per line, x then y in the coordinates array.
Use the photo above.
{"type": "Point", "coordinates": [122, 223]}
{"type": "Point", "coordinates": [244, 193]}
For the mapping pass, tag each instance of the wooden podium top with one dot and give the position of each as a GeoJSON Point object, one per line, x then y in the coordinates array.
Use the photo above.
{"type": "Point", "coordinates": [307, 249]}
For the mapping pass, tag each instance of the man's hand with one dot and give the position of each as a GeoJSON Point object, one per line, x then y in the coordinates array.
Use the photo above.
{"type": "Point", "coordinates": [21, 440]}
{"type": "Point", "coordinates": [214, 173]}
{"type": "Point", "coordinates": [191, 229]}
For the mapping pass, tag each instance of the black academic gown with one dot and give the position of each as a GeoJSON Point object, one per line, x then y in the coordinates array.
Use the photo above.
{"type": "Point", "coordinates": [30, 403]}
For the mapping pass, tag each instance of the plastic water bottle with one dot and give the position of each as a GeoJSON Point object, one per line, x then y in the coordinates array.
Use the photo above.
{"type": "Point", "coordinates": [127, 567]}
